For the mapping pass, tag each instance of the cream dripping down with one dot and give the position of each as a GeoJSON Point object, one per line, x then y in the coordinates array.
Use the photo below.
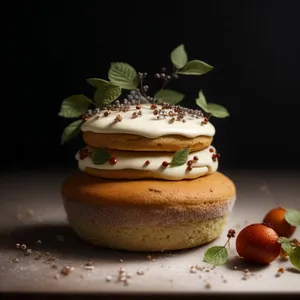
{"type": "Point", "coordinates": [136, 161]}
{"type": "Point", "coordinates": [147, 125]}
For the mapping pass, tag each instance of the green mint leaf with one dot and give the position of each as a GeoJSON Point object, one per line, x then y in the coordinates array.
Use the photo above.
{"type": "Point", "coordinates": [195, 67]}
{"type": "Point", "coordinates": [97, 82]}
{"type": "Point", "coordinates": [282, 240]}
{"type": "Point", "coordinates": [106, 92]}
{"type": "Point", "coordinates": [217, 110]}
{"type": "Point", "coordinates": [287, 247]}
{"type": "Point", "coordinates": [216, 255]}
{"type": "Point", "coordinates": [292, 216]}
{"type": "Point", "coordinates": [179, 57]}
{"type": "Point", "coordinates": [295, 257]}
{"type": "Point", "coordinates": [180, 157]}
{"type": "Point", "coordinates": [74, 106]}
{"type": "Point", "coordinates": [71, 131]}
{"type": "Point", "coordinates": [124, 75]}
{"type": "Point", "coordinates": [201, 101]}
{"type": "Point", "coordinates": [169, 96]}
{"type": "Point", "coordinates": [100, 156]}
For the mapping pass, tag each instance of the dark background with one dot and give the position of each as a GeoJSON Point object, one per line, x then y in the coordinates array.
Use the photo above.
{"type": "Point", "coordinates": [254, 46]}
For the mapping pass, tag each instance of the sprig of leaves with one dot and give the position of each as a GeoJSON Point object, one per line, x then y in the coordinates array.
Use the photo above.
{"type": "Point", "coordinates": [292, 249]}
{"type": "Point", "coordinates": [211, 109]}
{"type": "Point", "coordinates": [292, 216]}
{"type": "Point", "coordinates": [180, 61]}
{"type": "Point", "coordinates": [180, 157]}
{"type": "Point", "coordinates": [218, 255]}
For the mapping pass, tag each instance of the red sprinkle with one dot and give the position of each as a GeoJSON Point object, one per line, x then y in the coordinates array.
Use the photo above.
{"type": "Point", "coordinates": [113, 160]}
{"type": "Point", "coordinates": [153, 106]}
{"type": "Point", "coordinates": [147, 162]}
{"type": "Point", "coordinates": [211, 150]}
{"type": "Point", "coordinates": [189, 168]}
{"type": "Point", "coordinates": [138, 107]}
{"type": "Point", "coordinates": [195, 158]}
{"type": "Point", "coordinates": [155, 112]}
{"type": "Point", "coordinates": [165, 163]}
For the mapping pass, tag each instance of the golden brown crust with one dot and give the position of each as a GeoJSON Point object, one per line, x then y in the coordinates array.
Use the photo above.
{"type": "Point", "coordinates": [207, 190]}
{"type": "Point", "coordinates": [134, 174]}
{"type": "Point", "coordinates": [133, 142]}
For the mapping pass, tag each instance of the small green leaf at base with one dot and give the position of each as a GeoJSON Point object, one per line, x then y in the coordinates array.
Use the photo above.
{"type": "Point", "coordinates": [295, 257]}
{"type": "Point", "coordinates": [196, 67]}
{"type": "Point", "coordinates": [74, 106]}
{"type": "Point", "coordinates": [292, 216]}
{"type": "Point", "coordinates": [179, 57]}
{"type": "Point", "coordinates": [71, 131]}
{"type": "Point", "coordinates": [216, 255]}
{"type": "Point", "coordinates": [169, 96]}
{"type": "Point", "coordinates": [100, 156]}
{"type": "Point", "coordinates": [180, 157]}
{"type": "Point", "coordinates": [123, 75]}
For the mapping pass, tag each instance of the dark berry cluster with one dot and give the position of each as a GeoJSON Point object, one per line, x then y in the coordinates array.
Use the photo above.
{"type": "Point", "coordinates": [231, 233]}
{"type": "Point", "coordinates": [191, 162]}
{"type": "Point", "coordinates": [165, 76]}
{"type": "Point", "coordinates": [215, 156]}
{"type": "Point", "coordinates": [84, 152]}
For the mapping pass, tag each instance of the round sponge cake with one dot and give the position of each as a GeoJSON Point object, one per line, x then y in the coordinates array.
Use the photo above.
{"type": "Point", "coordinates": [148, 215]}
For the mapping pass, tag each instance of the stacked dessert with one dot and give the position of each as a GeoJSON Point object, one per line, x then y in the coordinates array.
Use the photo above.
{"type": "Point", "coordinates": [147, 179]}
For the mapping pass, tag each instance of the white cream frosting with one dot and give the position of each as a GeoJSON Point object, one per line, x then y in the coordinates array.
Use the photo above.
{"type": "Point", "coordinates": [147, 125]}
{"type": "Point", "coordinates": [136, 161]}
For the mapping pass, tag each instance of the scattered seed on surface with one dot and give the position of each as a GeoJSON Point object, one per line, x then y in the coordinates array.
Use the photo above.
{"type": "Point", "coordinates": [140, 272]}
{"type": "Point", "coordinates": [108, 278]}
{"type": "Point", "coordinates": [23, 247]}
{"type": "Point", "coordinates": [28, 251]}
{"type": "Point", "coordinates": [15, 260]}
{"type": "Point", "coordinates": [208, 286]}
{"type": "Point", "coordinates": [18, 245]}
{"type": "Point", "coordinates": [66, 270]}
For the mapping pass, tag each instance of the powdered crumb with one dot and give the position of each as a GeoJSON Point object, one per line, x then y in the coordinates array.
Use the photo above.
{"type": "Point", "coordinates": [208, 286]}
{"type": "Point", "coordinates": [140, 272]}
{"type": "Point", "coordinates": [30, 212]}
{"type": "Point", "coordinates": [66, 270]}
